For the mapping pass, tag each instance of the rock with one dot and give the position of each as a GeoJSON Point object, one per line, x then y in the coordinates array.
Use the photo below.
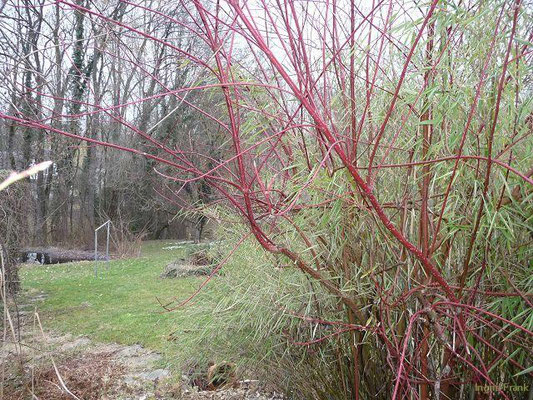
{"type": "Point", "coordinates": [154, 375]}
{"type": "Point", "coordinates": [129, 351]}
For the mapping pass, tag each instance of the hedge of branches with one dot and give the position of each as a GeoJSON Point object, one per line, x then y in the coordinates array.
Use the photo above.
{"type": "Point", "coordinates": [379, 150]}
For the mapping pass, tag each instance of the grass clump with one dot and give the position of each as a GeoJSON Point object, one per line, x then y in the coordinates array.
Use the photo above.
{"type": "Point", "coordinates": [259, 314]}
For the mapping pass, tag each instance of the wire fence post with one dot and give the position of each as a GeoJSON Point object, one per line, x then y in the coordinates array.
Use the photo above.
{"type": "Point", "coordinates": [108, 225]}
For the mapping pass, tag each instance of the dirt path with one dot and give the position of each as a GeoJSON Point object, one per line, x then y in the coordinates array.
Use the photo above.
{"type": "Point", "coordinates": [91, 370]}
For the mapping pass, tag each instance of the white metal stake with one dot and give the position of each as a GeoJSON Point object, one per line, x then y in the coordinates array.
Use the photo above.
{"type": "Point", "coordinates": [95, 253]}
{"type": "Point", "coordinates": [107, 245]}
{"type": "Point", "coordinates": [106, 224]}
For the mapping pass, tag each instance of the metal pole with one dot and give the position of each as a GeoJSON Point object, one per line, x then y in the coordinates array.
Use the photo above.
{"type": "Point", "coordinates": [108, 224]}
{"type": "Point", "coordinates": [107, 245]}
{"type": "Point", "coordinates": [95, 253]}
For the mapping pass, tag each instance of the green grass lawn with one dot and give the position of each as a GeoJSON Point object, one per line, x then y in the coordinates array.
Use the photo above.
{"type": "Point", "coordinates": [120, 305]}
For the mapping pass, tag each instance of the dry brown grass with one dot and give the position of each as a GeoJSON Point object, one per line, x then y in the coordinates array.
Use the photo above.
{"type": "Point", "coordinates": [89, 377]}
